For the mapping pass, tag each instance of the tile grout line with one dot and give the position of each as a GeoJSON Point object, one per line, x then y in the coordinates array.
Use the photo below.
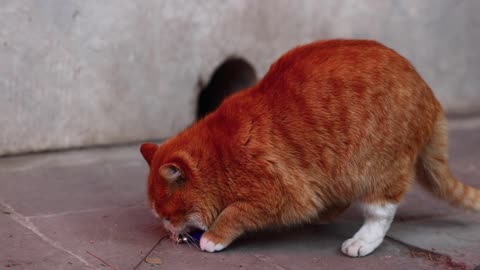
{"type": "Point", "coordinates": [149, 252]}
{"type": "Point", "coordinates": [80, 211]}
{"type": "Point", "coordinates": [268, 261]}
{"type": "Point", "coordinates": [25, 222]}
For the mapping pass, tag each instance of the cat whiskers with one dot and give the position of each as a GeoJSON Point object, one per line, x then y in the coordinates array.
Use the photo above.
{"type": "Point", "coordinates": [184, 238]}
{"type": "Point", "coordinates": [192, 240]}
{"type": "Point", "coordinates": [188, 242]}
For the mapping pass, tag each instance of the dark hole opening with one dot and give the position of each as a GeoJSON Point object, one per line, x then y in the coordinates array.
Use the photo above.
{"type": "Point", "coordinates": [233, 75]}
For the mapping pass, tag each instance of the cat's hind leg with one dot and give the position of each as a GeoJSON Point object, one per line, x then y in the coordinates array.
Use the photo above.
{"type": "Point", "coordinates": [378, 217]}
{"type": "Point", "coordinates": [379, 205]}
{"type": "Point", "coordinates": [329, 214]}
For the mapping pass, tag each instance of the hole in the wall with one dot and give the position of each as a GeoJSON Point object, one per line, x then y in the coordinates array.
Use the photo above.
{"type": "Point", "coordinates": [232, 75]}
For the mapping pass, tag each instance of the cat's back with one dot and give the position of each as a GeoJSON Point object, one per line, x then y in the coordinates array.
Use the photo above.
{"type": "Point", "coordinates": [331, 97]}
{"type": "Point", "coordinates": [329, 52]}
{"type": "Point", "coordinates": [334, 62]}
{"type": "Point", "coordinates": [346, 78]}
{"type": "Point", "coordinates": [347, 94]}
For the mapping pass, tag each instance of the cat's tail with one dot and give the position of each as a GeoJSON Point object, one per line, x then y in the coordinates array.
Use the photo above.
{"type": "Point", "coordinates": [434, 173]}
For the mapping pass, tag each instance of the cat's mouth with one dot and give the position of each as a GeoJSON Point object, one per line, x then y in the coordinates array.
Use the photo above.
{"type": "Point", "coordinates": [189, 232]}
{"type": "Point", "coordinates": [193, 223]}
{"type": "Point", "coordinates": [184, 234]}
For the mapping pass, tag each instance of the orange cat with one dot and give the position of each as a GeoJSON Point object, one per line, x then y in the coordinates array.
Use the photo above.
{"type": "Point", "coordinates": [331, 123]}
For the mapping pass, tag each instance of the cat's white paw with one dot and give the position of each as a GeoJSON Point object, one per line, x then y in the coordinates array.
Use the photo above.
{"type": "Point", "coordinates": [208, 245]}
{"type": "Point", "coordinates": [358, 248]}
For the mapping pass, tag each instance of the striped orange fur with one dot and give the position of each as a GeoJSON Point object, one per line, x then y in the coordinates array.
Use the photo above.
{"type": "Point", "coordinates": [331, 123]}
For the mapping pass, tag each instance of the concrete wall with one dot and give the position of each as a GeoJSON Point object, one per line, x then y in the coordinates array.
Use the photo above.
{"type": "Point", "coordinates": [77, 73]}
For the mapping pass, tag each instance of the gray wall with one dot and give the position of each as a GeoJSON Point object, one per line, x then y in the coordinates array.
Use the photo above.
{"type": "Point", "coordinates": [77, 73]}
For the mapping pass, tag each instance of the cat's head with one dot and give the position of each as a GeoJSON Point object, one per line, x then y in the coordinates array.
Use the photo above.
{"type": "Point", "coordinates": [177, 195]}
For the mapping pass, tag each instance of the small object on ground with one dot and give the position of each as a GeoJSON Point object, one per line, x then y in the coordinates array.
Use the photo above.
{"type": "Point", "coordinates": [196, 235]}
{"type": "Point", "coordinates": [181, 238]}
{"type": "Point", "coordinates": [153, 260]}
{"type": "Point", "coordinates": [192, 237]}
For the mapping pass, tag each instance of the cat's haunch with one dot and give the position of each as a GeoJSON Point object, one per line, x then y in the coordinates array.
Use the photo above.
{"type": "Point", "coordinates": [331, 123]}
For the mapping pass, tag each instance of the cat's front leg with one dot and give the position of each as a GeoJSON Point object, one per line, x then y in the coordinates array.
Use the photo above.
{"type": "Point", "coordinates": [232, 222]}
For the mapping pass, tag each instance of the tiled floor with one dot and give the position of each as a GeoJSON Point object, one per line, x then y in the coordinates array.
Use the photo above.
{"type": "Point", "coordinates": [71, 210]}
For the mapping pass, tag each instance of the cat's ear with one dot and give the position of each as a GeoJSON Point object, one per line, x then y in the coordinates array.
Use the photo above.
{"type": "Point", "coordinates": [148, 150]}
{"type": "Point", "coordinates": [172, 173]}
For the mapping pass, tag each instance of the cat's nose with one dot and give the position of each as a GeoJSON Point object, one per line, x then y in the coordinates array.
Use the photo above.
{"type": "Point", "coordinates": [169, 226]}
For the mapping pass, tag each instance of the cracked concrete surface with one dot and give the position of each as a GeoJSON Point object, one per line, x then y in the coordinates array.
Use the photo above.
{"type": "Point", "coordinates": [71, 210]}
